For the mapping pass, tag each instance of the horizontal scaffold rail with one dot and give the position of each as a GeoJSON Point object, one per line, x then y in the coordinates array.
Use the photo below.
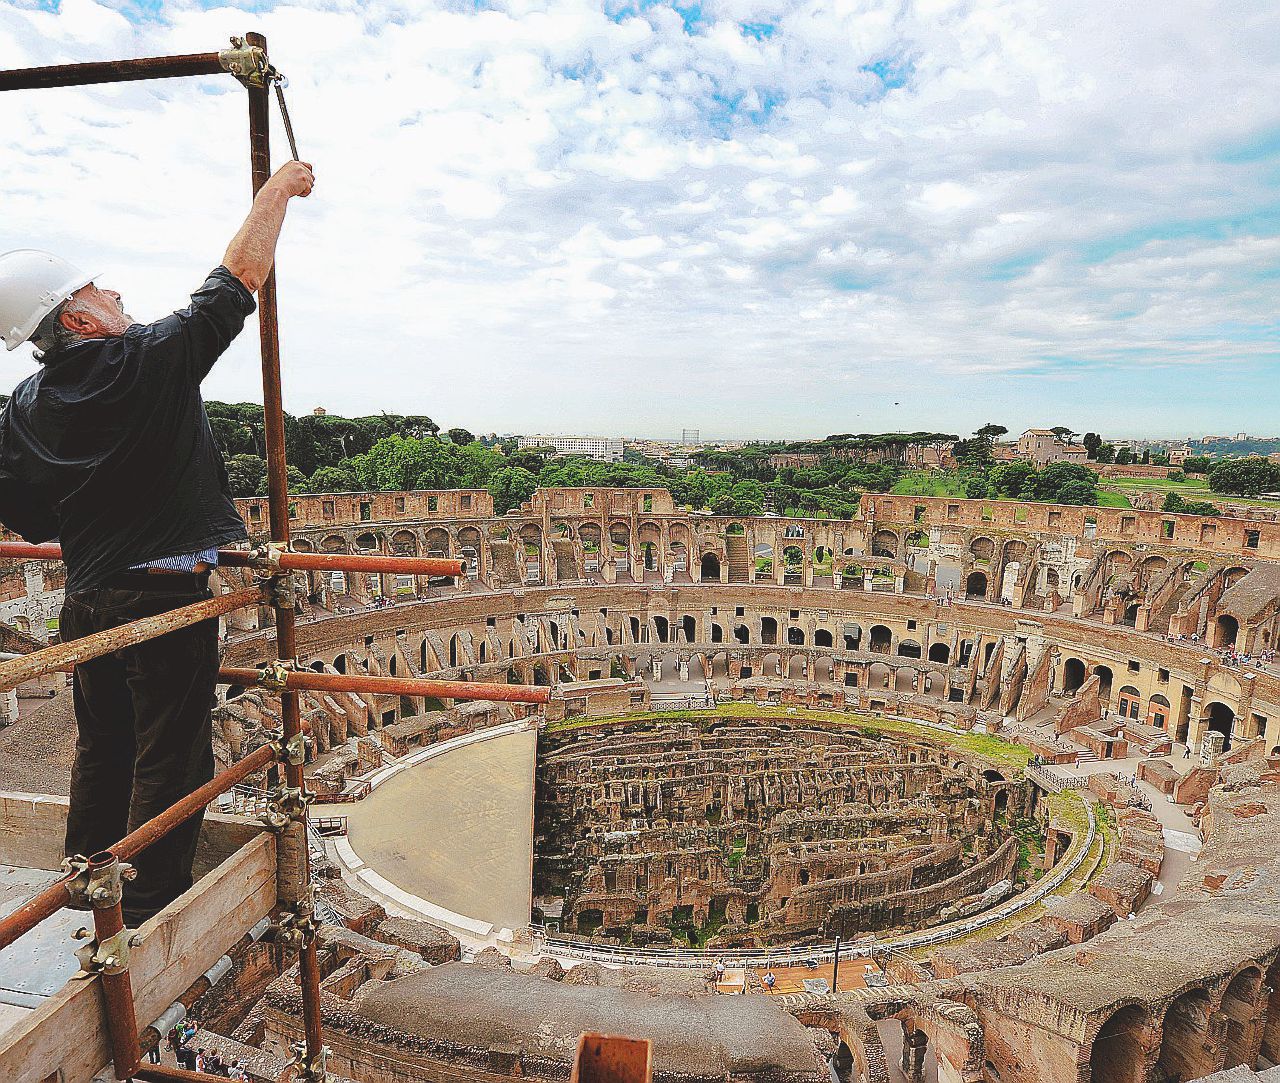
{"type": "Point", "coordinates": [55, 896]}
{"type": "Point", "coordinates": [307, 680]}
{"type": "Point", "coordinates": [285, 560]}
{"type": "Point", "coordinates": [65, 655]}
{"type": "Point", "coordinates": [112, 71]}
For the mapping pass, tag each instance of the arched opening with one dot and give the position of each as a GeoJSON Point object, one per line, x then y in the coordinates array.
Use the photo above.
{"type": "Point", "coordinates": [768, 631]}
{"type": "Point", "coordinates": [1227, 628]}
{"type": "Point", "coordinates": [717, 633]}
{"type": "Point", "coordinates": [1158, 712]}
{"type": "Point", "coordinates": [975, 586]}
{"type": "Point", "coordinates": [1240, 1009]}
{"type": "Point", "coordinates": [1072, 675]}
{"type": "Point", "coordinates": [689, 627]}
{"type": "Point", "coordinates": [852, 636]}
{"type": "Point", "coordinates": [939, 652]}
{"type": "Point", "coordinates": [1105, 677]}
{"type": "Point", "coordinates": [909, 648]}
{"type": "Point", "coordinates": [742, 634]}
{"type": "Point", "coordinates": [1221, 719]}
{"type": "Point", "coordinates": [822, 638]}
{"type": "Point", "coordinates": [792, 564]}
{"type": "Point", "coordinates": [884, 543]}
{"type": "Point", "coordinates": [881, 637]}
{"type": "Point", "coordinates": [764, 562]}
{"type": "Point", "coordinates": [1187, 1048]}
{"type": "Point", "coordinates": [709, 568]}
{"type": "Point", "coordinates": [1130, 618]}
{"type": "Point", "coordinates": [1117, 1055]}
{"type": "Point", "coordinates": [661, 628]}
{"type": "Point", "coordinates": [795, 637]}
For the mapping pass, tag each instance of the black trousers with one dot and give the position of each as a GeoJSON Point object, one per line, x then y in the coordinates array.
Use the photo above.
{"type": "Point", "coordinates": [145, 731]}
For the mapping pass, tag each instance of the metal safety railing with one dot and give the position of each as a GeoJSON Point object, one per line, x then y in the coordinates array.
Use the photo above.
{"type": "Point", "coordinates": [97, 882]}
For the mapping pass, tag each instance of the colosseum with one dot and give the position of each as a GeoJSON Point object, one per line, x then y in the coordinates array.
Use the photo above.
{"type": "Point", "coordinates": [952, 791]}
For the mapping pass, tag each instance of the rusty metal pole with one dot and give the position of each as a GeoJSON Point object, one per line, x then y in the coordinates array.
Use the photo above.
{"type": "Point", "coordinates": [360, 683]}
{"type": "Point", "coordinates": [107, 956]}
{"type": "Point", "coordinates": [111, 71]}
{"type": "Point", "coordinates": [53, 898]}
{"type": "Point", "coordinates": [75, 651]}
{"type": "Point", "coordinates": [278, 514]}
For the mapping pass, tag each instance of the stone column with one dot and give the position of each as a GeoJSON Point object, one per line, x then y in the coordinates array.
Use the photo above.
{"type": "Point", "coordinates": [915, 1043]}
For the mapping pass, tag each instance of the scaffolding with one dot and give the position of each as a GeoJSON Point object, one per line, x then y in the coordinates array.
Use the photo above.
{"type": "Point", "coordinates": [96, 882]}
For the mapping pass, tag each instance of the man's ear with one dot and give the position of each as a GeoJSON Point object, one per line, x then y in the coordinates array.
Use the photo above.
{"type": "Point", "coordinates": [78, 323]}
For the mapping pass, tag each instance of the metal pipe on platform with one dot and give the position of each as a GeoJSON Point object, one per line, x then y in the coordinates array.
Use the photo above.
{"type": "Point", "coordinates": [111, 71]}
{"type": "Point", "coordinates": [308, 680]}
{"type": "Point", "coordinates": [63, 655]}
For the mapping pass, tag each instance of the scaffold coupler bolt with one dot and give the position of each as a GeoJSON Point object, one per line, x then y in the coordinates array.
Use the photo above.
{"type": "Point", "coordinates": [310, 1069]}
{"type": "Point", "coordinates": [111, 956]}
{"type": "Point", "coordinates": [293, 751]}
{"type": "Point", "coordinates": [285, 805]}
{"type": "Point", "coordinates": [99, 886]}
{"type": "Point", "coordinates": [275, 675]}
{"type": "Point", "coordinates": [296, 928]}
{"type": "Point", "coordinates": [248, 63]}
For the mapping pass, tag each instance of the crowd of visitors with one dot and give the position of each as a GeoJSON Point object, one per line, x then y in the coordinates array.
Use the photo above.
{"type": "Point", "coordinates": [195, 1058]}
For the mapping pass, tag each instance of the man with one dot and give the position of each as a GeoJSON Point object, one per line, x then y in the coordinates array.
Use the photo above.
{"type": "Point", "coordinates": [108, 448]}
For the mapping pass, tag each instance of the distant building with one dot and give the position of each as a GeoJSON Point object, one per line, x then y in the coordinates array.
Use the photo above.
{"type": "Point", "coordinates": [1042, 446]}
{"type": "Point", "coordinates": [608, 449]}
{"type": "Point", "coordinates": [690, 436]}
{"type": "Point", "coordinates": [319, 411]}
{"type": "Point", "coordinates": [1179, 455]}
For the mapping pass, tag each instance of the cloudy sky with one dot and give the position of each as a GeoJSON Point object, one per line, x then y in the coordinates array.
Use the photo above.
{"type": "Point", "coordinates": [752, 217]}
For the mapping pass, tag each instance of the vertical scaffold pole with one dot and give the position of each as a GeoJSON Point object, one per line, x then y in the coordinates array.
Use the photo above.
{"type": "Point", "coordinates": [294, 838]}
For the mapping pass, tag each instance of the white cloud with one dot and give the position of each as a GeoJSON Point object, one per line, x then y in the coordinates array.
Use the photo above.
{"type": "Point", "coordinates": [535, 217]}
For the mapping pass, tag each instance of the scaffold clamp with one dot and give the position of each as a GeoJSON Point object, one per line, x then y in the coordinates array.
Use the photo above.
{"type": "Point", "coordinates": [111, 956]}
{"type": "Point", "coordinates": [310, 1069]}
{"type": "Point", "coordinates": [275, 675]}
{"type": "Point", "coordinates": [248, 63]}
{"type": "Point", "coordinates": [285, 804]}
{"type": "Point", "coordinates": [293, 751]}
{"type": "Point", "coordinates": [96, 887]}
{"type": "Point", "coordinates": [296, 928]}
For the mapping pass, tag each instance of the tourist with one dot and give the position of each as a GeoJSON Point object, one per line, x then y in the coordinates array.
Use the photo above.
{"type": "Point", "coordinates": [719, 971]}
{"type": "Point", "coordinates": [237, 1072]}
{"type": "Point", "coordinates": [202, 1060]}
{"type": "Point", "coordinates": [769, 980]}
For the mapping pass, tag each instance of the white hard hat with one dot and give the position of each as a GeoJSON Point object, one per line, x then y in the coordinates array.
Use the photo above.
{"type": "Point", "coordinates": [33, 284]}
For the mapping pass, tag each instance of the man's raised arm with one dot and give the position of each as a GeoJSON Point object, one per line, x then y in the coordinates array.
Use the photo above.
{"type": "Point", "coordinates": [252, 250]}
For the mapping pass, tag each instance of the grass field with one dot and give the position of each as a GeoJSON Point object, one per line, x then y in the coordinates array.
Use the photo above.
{"type": "Point", "coordinates": [1192, 487]}
{"type": "Point", "coordinates": [995, 749]}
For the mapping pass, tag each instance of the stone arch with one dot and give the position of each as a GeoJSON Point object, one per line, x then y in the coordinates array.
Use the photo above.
{"type": "Point", "coordinates": [939, 652]}
{"type": "Point", "coordinates": [333, 543]}
{"type": "Point", "coordinates": [764, 563]}
{"type": "Point", "coordinates": [795, 637]}
{"type": "Point", "coordinates": [1158, 711]}
{"type": "Point", "coordinates": [1129, 702]}
{"type": "Point", "coordinates": [1073, 674]}
{"type": "Point", "coordinates": [709, 568]}
{"type": "Point", "coordinates": [975, 585]}
{"type": "Point", "coordinates": [792, 562]}
{"type": "Point", "coordinates": [884, 543]}
{"type": "Point", "coordinates": [852, 636]}
{"type": "Point", "coordinates": [982, 549]}
{"type": "Point", "coordinates": [1226, 629]}
{"type": "Point", "coordinates": [880, 639]}
{"type": "Point", "coordinates": [1187, 1048]}
{"type": "Point", "coordinates": [469, 542]}
{"type": "Point", "coordinates": [404, 543]}
{"type": "Point", "coordinates": [1105, 679]}
{"type": "Point", "coordinates": [367, 542]}
{"type": "Point", "coordinates": [1119, 1049]}
{"type": "Point", "coordinates": [1241, 1012]}
{"type": "Point", "coordinates": [768, 630]}
{"type": "Point", "coordinates": [742, 634]}
{"type": "Point", "coordinates": [908, 648]}
{"type": "Point", "coordinates": [438, 542]}
{"type": "Point", "coordinates": [822, 638]}
{"type": "Point", "coordinates": [1218, 717]}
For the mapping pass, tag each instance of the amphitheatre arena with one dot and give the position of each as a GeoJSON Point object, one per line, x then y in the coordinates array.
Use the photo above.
{"type": "Point", "coordinates": [998, 751]}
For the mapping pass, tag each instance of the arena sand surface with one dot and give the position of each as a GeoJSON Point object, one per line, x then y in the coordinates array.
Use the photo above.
{"type": "Point", "coordinates": [457, 830]}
